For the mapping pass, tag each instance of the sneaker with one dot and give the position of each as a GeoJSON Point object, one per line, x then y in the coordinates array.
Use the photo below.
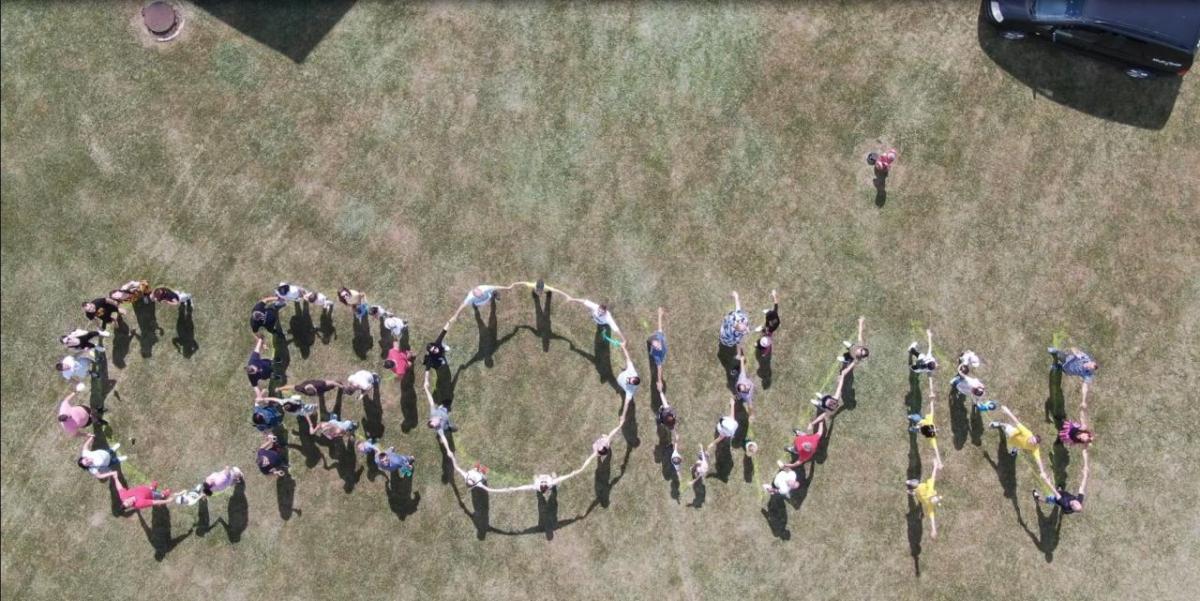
{"type": "Point", "coordinates": [1036, 495]}
{"type": "Point", "coordinates": [114, 446]}
{"type": "Point", "coordinates": [983, 406]}
{"type": "Point", "coordinates": [912, 348]}
{"type": "Point", "coordinates": [758, 329]}
{"type": "Point", "coordinates": [915, 417]}
{"type": "Point", "coordinates": [105, 334]}
{"type": "Point", "coordinates": [847, 343]}
{"type": "Point", "coordinates": [791, 449]}
{"type": "Point", "coordinates": [1012, 452]}
{"type": "Point", "coordinates": [912, 483]}
{"type": "Point", "coordinates": [994, 425]}
{"type": "Point", "coordinates": [816, 402]}
{"type": "Point", "coordinates": [1053, 351]}
{"type": "Point", "coordinates": [101, 349]}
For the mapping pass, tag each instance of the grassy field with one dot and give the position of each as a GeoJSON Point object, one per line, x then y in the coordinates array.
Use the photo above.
{"type": "Point", "coordinates": [644, 154]}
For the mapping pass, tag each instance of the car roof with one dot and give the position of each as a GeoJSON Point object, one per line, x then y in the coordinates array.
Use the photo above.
{"type": "Point", "coordinates": [1176, 22]}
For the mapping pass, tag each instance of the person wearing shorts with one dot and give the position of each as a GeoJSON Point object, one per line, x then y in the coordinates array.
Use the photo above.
{"type": "Point", "coordinates": [362, 382]}
{"type": "Point", "coordinates": [335, 428]}
{"type": "Point", "coordinates": [1020, 438]}
{"type": "Point", "coordinates": [804, 445]}
{"type": "Point", "coordinates": [855, 351]}
{"type": "Point", "coordinates": [700, 467]}
{"type": "Point", "coordinates": [743, 389]}
{"type": "Point", "coordinates": [77, 368]}
{"type": "Point", "coordinates": [139, 497]}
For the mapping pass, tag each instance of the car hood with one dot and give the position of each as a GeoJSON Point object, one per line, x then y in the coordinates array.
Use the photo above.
{"type": "Point", "coordinates": [1174, 21]}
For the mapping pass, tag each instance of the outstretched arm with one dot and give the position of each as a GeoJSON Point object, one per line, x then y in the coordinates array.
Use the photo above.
{"type": "Point", "coordinates": [928, 340]}
{"type": "Point", "coordinates": [1010, 415]}
{"type": "Point", "coordinates": [837, 394]}
{"type": "Point", "coordinates": [737, 302]}
{"type": "Point", "coordinates": [87, 444]}
{"type": "Point", "coordinates": [861, 321]}
{"type": "Point", "coordinates": [660, 319]}
{"type": "Point", "coordinates": [428, 392]}
{"type": "Point", "coordinates": [625, 351]}
{"type": "Point", "coordinates": [662, 395]}
{"type": "Point", "coordinates": [1083, 481]}
{"type": "Point", "coordinates": [1083, 394]}
{"type": "Point", "coordinates": [258, 344]}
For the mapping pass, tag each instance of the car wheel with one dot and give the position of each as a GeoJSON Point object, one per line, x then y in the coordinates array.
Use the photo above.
{"type": "Point", "coordinates": [1136, 73]}
{"type": "Point", "coordinates": [1009, 34]}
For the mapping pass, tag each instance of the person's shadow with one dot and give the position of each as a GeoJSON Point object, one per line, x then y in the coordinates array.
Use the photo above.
{"type": "Point", "coordinates": [1056, 409]}
{"type": "Point", "coordinates": [764, 370]}
{"type": "Point", "coordinates": [147, 327]}
{"type": "Point", "coordinates": [372, 421]}
{"type": "Point", "coordinates": [326, 330]}
{"type": "Point", "coordinates": [602, 359]}
{"type": "Point", "coordinates": [1049, 525]}
{"type": "Point", "coordinates": [101, 386]}
{"type": "Point", "coordinates": [541, 308]}
{"type": "Point", "coordinates": [363, 341]}
{"type": "Point", "coordinates": [285, 496]}
{"type": "Point", "coordinates": [122, 339]}
{"type": "Point", "coordinates": [481, 514]}
{"type": "Point", "coordinates": [914, 515]}
{"type": "Point", "coordinates": [185, 331]}
{"type": "Point", "coordinates": [776, 514]}
{"type": "Point", "coordinates": [727, 357]}
{"type": "Point", "coordinates": [849, 397]}
{"type": "Point", "coordinates": [401, 498]}
{"type": "Point", "coordinates": [880, 182]}
{"type": "Point", "coordinates": [964, 422]}
{"type": "Point", "coordinates": [699, 494]}
{"type": "Point", "coordinates": [488, 336]}
{"type": "Point", "coordinates": [301, 328]}
{"type": "Point", "coordinates": [236, 519]}
{"type": "Point", "coordinates": [158, 531]}
{"type": "Point", "coordinates": [548, 512]}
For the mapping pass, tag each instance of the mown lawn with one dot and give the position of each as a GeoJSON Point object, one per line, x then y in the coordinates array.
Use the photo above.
{"type": "Point", "coordinates": [643, 154]}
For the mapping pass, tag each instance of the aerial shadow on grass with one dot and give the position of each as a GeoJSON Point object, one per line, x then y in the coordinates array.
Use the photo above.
{"type": "Point", "coordinates": [385, 339]}
{"type": "Point", "coordinates": [1056, 405]}
{"type": "Point", "coordinates": [1046, 539]}
{"type": "Point", "coordinates": [541, 311]}
{"type": "Point", "coordinates": [1083, 83]}
{"type": "Point", "coordinates": [363, 340]}
{"type": "Point", "coordinates": [185, 331]}
{"type": "Point", "coordinates": [408, 398]}
{"type": "Point", "coordinates": [292, 28]}
{"type": "Point", "coordinates": [727, 358]}
{"type": "Point", "coordinates": [849, 396]}
{"type": "Point", "coordinates": [880, 183]}
{"type": "Point", "coordinates": [764, 370]}
{"type": "Point", "coordinates": [372, 421]}
{"type": "Point", "coordinates": [401, 499]}
{"type": "Point", "coordinates": [602, 359]}
{"type": "Point", "coordinates": [158, 531]}
{"type": "Point", "coordinates": [147, 327]}
{"type": "Point", "coordinates": [235, 521]}
{"type": "Point", "coordinates": [1049, 525]}
{"type": "Point", "coordinates": [100, 387]}
{"type": "Point", "coordinates": [326, 330]}
{"type": "Point", "coordinates": [699, 494]}
{"type": "Point", "coordinates": [914, 516]}
{"type": "Point", "coordinates": [285, 496]}
{"type": "Point", "coordinates": [280, 360]}
{"type": "Point", "coordinates": [488, 337]}
{"type": "Point", "coordinates": [302, 330]}
{"type": "Point", "coordinates": [121, 340]}
{"type": "Point", "coordinates": [965, 421]}
{"type": "Point", "coordinates": [776, 511]}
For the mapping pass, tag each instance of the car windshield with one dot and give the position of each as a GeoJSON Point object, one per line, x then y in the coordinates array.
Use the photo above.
{"type": "Point", "coordinates": [1058, 8]}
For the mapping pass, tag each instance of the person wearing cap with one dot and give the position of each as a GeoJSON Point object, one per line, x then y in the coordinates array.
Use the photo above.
{"type": "Point", "coordinates": [734, 325]}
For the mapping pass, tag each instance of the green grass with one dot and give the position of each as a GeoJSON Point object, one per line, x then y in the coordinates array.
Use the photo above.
{"type": "Point", "coordinates": [643, 154]}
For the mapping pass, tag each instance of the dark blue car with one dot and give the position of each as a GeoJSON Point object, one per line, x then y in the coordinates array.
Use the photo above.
{"type": "Point", "coordinates": [1143, 36]}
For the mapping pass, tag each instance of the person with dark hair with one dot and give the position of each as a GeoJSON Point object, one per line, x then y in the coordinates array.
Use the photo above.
{"type": "Point", "coordinates": [312, 387]}
{"type": "Point", "coordinates": [922, 363]}
{"type": "Point", "coordinates": [743, 389]}
{"type": "Point", "coordinates": [214, 483]}
{"type": "Point", "coordinates": [766, 331]}
{"type": "Point", "coordinates": [265, 314]}
{"type": "Point", "coordinates": [74, 418]}
{"type": "Point", "coordinates": [334, 428]}
{"type": "Point", "coordinates": [131, 292]}
{"type": "Point", "coordinates": [1074, 433]}
{"type": "Point", "coordinates": [362, 381]}
{"type": "Point", "coordinates": [600, 314]}
{"type": "Point", "coordinates": [290, 293]}
{"type": "Point", "coordinates": [271, 458]}
{"type": "Point", "coordinates": [387, 460]}
{"type": "Point", "coordinates": [665, 416]}
{"type": "Point", "coordinates": [169, 296]}
{"type": "Point", "coordinates": [313, 297]}
{"type": "Point", "coordinates": [399, 361]}
{"type": "Point", "coordinates": [1020, 438]}
{"type": "Point", "coordinates": [267, 415]}
{"type": "Point", "coordinates": [355, 300]}
{"type": "Point", "coordinates": [882, 161]}
{"type": "Point", "coordinates": [98, 462]}
{"type": "Point", "coordinates": [628, 378]}
{"type": "Point", "coordinates": [926, 494]}
{"type": "Point", "coordinates": [269, 411]}
{"type": "Point", "coordinates": [1068, 502]}
{"type": "Point", "coordinates": [658, 347]}
{"type": "Point", "coordinates": [435, 352]}
{"type": "Point", "coordinates": [855, 351]}
{"type": "Point", "coordinates": [734, 325]}
{"type": "Point", "coordinates": [258, 368]}
{"type": "Point", "coordinates": [482, 295]}
{"type": "Point", "coordinates": [138, 497]}
{"type": "Point", "coordinates": [83, 340]}
{"type": "Point", "coordinates": [1077, 363]}
{"type": "Point", "coordinates": [830, 403]}
{"type": "Point", "coordinates": [102, 310]}
{"type": "Point", "coordinates": [77, 369]}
